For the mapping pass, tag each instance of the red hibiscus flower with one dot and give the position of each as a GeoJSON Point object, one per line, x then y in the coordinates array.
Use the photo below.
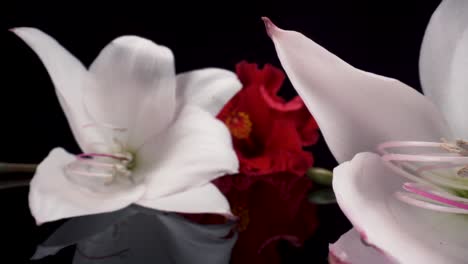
{"type": "Point", "coordinates": [269, 195]}
{"type": "Point", "coordinates": [268, 133]}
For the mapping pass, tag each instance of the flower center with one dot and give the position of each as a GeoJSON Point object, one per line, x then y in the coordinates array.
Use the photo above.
{"type": "Point", "coordinates": [438, 172]}
{"type": "Point", "coordinates": [239, 124]}
{"type": "Point", "coordinates": [107, 167]}
{"type": "Point", "coordinates": [100, 170]}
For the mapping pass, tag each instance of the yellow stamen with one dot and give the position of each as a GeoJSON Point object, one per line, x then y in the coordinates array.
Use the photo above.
{"type": "Point", "coordinates": [239, 124]}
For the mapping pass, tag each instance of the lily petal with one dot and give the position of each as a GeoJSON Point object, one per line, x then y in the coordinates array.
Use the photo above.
{"type": "Point", "coordinates": [136, 88]}
{"type": "Point", "coordinates": [350, 249]}
{"type": "Point", "coordinates": [52, 196]}
{"type": "Point", "coordinates": [355, 110]}
{"type": "Point", "coordinates": [195, 150]}
{"type": "Point", "coordinates": [209, 88]}
{"type": "Point", "coordinates": [69, 77]}
{"type": "Point", "coordinates": [365, 190]}
{"type": "Point", "coordinates": [443, 63]}
{"type": "Point", "coordinates": [204, 199]}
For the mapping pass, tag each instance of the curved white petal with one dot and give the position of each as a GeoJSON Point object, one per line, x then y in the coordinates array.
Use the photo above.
{"type": "Point", "coordinates": [444, 63]}
{"type": "Point", "coordinates": [69, 77]}
{"type": "Point", "coordinates": [209, 88]}
{"type": "Point", "coordinates": [136, 87]}
{"type": "Point", "coordinates": [195, 150]}
{"type": "Point", "coordinates": [350, 249]}
{"type": "Point", "coordinates": [365, 190]}
{"type": "Point", "coordinates": [201, 199]}
{"type": "Point", "coordinates": [355, 110]}
{"type": "Point", "coordinates": [52, 196]}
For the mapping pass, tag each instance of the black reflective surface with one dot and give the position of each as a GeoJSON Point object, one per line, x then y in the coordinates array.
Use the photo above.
{"type": "Point", "coordinates": [378, 36]}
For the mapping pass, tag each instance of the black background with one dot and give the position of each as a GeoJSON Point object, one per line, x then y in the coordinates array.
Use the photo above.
{"type": "Point", "coordinates": [377, 36]}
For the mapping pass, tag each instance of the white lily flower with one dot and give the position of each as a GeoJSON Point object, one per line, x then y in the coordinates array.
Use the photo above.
{"type": "Point", "coordinates": [149, 137]}
{"type": "Point", "coordinates": [405, 188]}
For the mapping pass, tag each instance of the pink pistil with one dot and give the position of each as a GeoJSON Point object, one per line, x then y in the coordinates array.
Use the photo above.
{"type": "Point", "coordinates": [413, 189]}
{"type": "Point", "coordinates": [424, 158]}
{"type": "Point", "coordinates": [415, 200]}
{"type": "Point", "coordinates": [83, 159]}
{"type": "Point", "coordinates": [436, 167]}
{"type": "Point", "coordinates": [90, 174]}
{"type": "Point", "coordinates": [404, 173]}
{"type": "Point", "coordinates": [397, 144]}
{"type": "Point", "coordinates": [85, 155]}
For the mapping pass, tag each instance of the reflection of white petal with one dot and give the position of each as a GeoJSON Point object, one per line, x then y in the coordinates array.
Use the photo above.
{"type": "Point", "coordinates": [136, 87]}
{"type": "Point", "coordinates": [157, 238]}
{"type": "Point", "coordinates": [365, 190]}
{"type": "Point", "coordinates": [53, 197]}
{"type": "Point", "coordinates": [444, 63]}
{"type": "Point", "coordinates": [70, 77]}
{"type": "Point", "coordinates": [355, 110]}
{"type": "Point", "coordinates": [195, 150]}
{"type": "Point", "coordinates": [209, 88]}
{"type": "Point", "coordinates": [350, 249]}
{"type": "Point", "coordinates": [204, 199]}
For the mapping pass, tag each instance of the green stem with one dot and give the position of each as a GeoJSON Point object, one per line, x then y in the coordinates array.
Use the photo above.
{"type": "Point", "coordinates": [320, 175]}
{"type": "Point", "coordinates": [17, 167]}
{"type": "Point", "coordinates": [12, 168]}
{"type": "Point", "coordinates": [14, 184]}
{"type": "Point", "coordinates": [322, 196]}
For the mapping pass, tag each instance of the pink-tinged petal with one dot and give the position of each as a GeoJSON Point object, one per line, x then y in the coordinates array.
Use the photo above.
{"type": "Point", "coordinates": [355, 110]}
{"type": "Point", "coordinates": [444, 62]}
{"type": "Point", "coordinates": [136, 88]}
{"type": "Point", "coordinates": [365, 189]}
{"type": "Point", "coordinates": [52, 196]}
{"type": "Point", "coordinates": [69, 77]}
{"type": "Point", "coordinates": [351, 249]}
{"type": "Point", "coordinates": [201, 199]}
{"type": "Point", "coordinates": [209, 88]}
{"type": "Point", "coordinates": [195, 150]}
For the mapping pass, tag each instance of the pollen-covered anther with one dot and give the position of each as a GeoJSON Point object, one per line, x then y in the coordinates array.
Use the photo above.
{"type": "Point", "coordinates": [463, 172]}
{"type": "Point", "coordinates": [460, 147]}
{"type": "Point", "coordinates": [463, 144]}
{"type": "Point", "coordinates": [239, 124]}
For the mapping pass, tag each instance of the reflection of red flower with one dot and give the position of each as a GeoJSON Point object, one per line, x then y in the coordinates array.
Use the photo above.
{"type": "Point", "coordinates": [268, 132]}
{"type": "Point", "coordinates": [267, 214]}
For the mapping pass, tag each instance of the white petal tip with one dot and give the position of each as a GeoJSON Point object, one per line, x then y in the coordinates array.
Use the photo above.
{"type": "Point", "coordinates": [143, 46]}
{"type": "Point", "coordinates": [270, 27]}
{"type": "Point", "coordinates": [28, 34]}
{"type": "Point", "coordinates": [20, 30]}
{"type": "Point", "coordinates": [17, 31]}
{"type": "Point", "coordinates": [129, 39]}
